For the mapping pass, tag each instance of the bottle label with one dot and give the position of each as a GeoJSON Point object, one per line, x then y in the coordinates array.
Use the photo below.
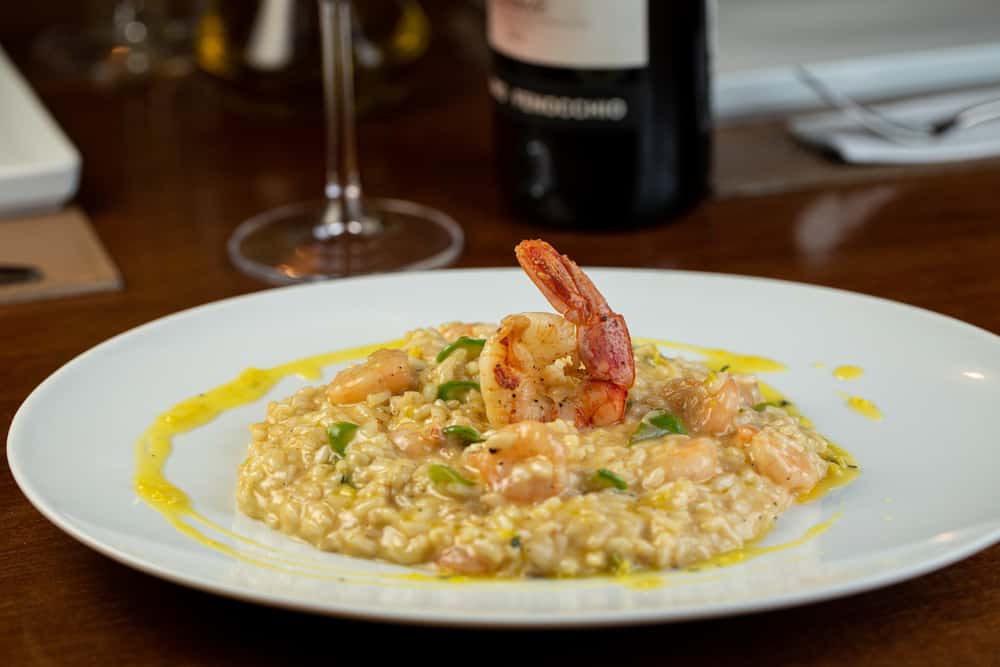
{"type": "Point", "coordinates": [556, 105]}
{"type": "Point", "coordinates": [590, 34]}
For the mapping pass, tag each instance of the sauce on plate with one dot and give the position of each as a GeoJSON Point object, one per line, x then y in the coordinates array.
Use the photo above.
{"type": "Point", "coordinates": [155, 445]}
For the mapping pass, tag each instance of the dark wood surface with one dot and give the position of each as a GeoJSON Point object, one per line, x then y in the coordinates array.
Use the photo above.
{"type": "Point", "coordinates": [171, 168]}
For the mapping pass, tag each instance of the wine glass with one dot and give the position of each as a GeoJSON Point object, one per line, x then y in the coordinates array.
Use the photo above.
{"type": "Point", "coordinates": [345, 233]}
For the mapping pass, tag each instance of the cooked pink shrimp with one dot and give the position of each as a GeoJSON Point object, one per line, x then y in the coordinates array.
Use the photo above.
{"type": "Point", "coordinates": [539, 366]}
{"type": "Point", "coordinates": [696, 459]}
{"type": "Point", "coordinates": [785, 461]}
{"type": "Point", "coordinates": [524, 462]}
{"type": "Point", "coordinates": [463, 560]}
{"type": "Point", "coordinates": [710, 406]}
{"type": "Point", "coordinates": [384, 370]}
{"type": "Point", "coordinates": [416, 440]}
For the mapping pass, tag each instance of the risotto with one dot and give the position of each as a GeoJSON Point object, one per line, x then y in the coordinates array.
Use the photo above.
{"type": "Point", "coordinates": [546, 446]}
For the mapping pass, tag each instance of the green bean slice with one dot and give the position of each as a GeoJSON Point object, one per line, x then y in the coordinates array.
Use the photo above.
{"type": "Point", "coordinates": [456, 389]}
{"type": "Point", "coordinates": [464, 434]}
{"type": "Point", "coordinates": [658, 423]}
{"type": "Point", "coordinates": [340, 435]}
{"type": "Point", "coordinates": [471, 345]}
{"type": "Point", "coordinates": [774, 404]}
{"type": "Point", "coordinates": [442, 474]}
{"type": "Point", "coordinates": [605, 478]}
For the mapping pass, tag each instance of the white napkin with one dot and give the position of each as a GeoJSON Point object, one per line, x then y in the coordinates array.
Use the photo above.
{"type": "Point", "coordinates": [838, 132]}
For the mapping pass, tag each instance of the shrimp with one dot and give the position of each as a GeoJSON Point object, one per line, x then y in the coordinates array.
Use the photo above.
{"type": "Point", "coordinates": [696, 459]}
{"type": "Point", "coordinates": [384, 370]}
{"type": "Point", "coordinates": [539, 366]}
{"type": "Point", "coordinates": [524, 462]}
{"type": "Point", "coordinates": [711, 406]}
{"type": "Point", "coordinates": [524, 372]}
{"type": "Point", "coordinates": [463, 560]}
{"type": "Point", "coordinates": [415, 440]}
{"type": "Point", "coordinates": [785, 461]}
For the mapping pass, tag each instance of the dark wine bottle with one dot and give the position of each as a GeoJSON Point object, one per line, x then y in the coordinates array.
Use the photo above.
{"type": "Point", "coordinates": [602, 115]}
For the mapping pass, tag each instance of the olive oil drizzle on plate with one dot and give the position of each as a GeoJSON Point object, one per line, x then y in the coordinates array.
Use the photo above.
{"type": "Point", "coordinates": [156, 444]}
{"type": "Point", "coordinates": [862, 406]}
{"type": "Point", "coordinates": [848, 372]}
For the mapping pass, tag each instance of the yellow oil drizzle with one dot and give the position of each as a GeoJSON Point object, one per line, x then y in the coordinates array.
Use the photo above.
{"type": "Point", "coordinates": [751, 550]}
{"type": "Point", "coordinates": [155, 446]}
{"type": "Point", "coordinates": [819, 364]}
{"type": "Point", "coordinates": [848, 372]}
{"type": "Point", "coordinates": [718, 359]}
{"type": "Point", "coordinates": [843, 470]}
{"type": "Point", "coordinates": [863, 407]}
{"type": "Point", "coordinates": [642, 581]}
{"type": "Point", "coordinates": [772, 395]}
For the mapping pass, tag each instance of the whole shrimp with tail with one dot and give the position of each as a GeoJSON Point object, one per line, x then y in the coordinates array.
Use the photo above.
{"type": "Point", "coordinates": [539, 366]}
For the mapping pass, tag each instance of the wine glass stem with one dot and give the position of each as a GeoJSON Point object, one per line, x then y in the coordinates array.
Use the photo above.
{"type": "Point", "coordinates": [343, 182]}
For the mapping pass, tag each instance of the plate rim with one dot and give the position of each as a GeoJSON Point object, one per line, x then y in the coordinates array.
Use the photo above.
{"type": "Point", "coordinates": [493, 619]}
{"type": "Point", "coordinates": [512, 620]}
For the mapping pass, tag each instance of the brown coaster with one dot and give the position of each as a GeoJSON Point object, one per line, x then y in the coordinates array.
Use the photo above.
{"type": "Point", "coordinates": [64, 248]}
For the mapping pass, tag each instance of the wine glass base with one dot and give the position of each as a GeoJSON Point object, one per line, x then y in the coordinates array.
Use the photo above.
{"type": "Point", "coordinates": [287, 244]}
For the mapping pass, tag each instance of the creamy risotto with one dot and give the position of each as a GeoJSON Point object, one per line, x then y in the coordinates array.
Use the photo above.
{"type": "Point", "coordinates": [546, 446]}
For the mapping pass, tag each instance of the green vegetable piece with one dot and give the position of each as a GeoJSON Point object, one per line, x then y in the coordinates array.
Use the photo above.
{"type": "Point", "coordinates": [471, 345]}
{"type": "Point", "coordinates": [340, 435]}
{"type": "Point", "coordinates": [466, 434]}
{"type": "Point", "coordinates": [658, 423]}
{"type": "Point", "coordinates": [620, 566]}
{"type": "Point", "coordinates": [774, 404]}
{"type": "Point", "coordinates": [668, 422]}
{"type": "Point", "coordinates": [442, 474]}
{"type": "Point", "coordinates": [605, 478]}
{"type": "Point", "coordinates": [456, 389]}
{"type": "Point", "coordinates": [515, 542]}
{"type": "Point", "coordinates": [838, 460]}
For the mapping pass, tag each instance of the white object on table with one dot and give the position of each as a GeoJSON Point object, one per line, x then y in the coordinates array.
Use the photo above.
{"type": "Point", "coordinates": [866, 50]}
{"type": "Point", "coordinates": [840, 133]}
{"type": "Point", "coordinates": [39, 167]}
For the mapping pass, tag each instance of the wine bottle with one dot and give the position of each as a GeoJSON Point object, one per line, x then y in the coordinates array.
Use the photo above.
{"type": "Point", "coordinates": [602, 114]}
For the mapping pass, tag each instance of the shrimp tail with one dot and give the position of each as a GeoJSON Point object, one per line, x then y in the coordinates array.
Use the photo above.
{"type": "Point", "coordinates": [560, 280]}
{"type": "Point", "coordinates": [603, 340]}
{"type": "Point", "coordinates": [605, 348]}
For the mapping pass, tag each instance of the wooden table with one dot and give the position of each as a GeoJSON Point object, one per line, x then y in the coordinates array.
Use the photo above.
{"type": "Point", "coordinates": [171, 168]}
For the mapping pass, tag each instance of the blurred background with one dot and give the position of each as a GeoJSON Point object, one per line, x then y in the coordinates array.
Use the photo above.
{"type": "Point", "coordinates": [260, 58]}
{"type": "Point", "coordinates": [222, 100]}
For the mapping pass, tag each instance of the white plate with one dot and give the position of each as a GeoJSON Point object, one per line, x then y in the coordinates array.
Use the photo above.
{"type": "Point", "coordinates": [39, 167]}
{"type": "Point", "coordinates": [926, 498]}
